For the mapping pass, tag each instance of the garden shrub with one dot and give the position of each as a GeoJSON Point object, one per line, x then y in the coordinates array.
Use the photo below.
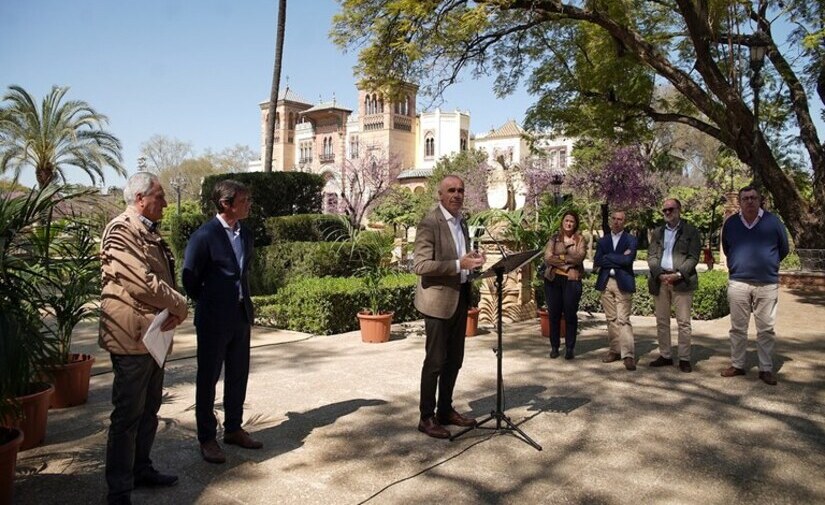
{"type": "Point", "coordinates": [273, 194]}
{"type": "Point", "coordinates": [329, 305]}
{"type": "Point", "coordinates": [306, 228]}
{"type": "Point", "coordinates": [709, 300]}
{"type": "Point", "coordinates": [181, 227]}
{"type": "Point", "coordinates": [279, 264]}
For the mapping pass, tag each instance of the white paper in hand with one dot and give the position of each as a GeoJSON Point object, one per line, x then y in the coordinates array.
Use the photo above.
{"type": "Point", "coordinates": [157, 342]}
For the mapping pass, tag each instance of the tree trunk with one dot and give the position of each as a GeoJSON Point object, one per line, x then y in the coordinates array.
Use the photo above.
{"type": "Point", "coordinates": [276, 81]}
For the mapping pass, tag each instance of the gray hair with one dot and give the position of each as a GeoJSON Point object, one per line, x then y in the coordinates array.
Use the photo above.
{"type": "Point", "coordinates": [138, 184]}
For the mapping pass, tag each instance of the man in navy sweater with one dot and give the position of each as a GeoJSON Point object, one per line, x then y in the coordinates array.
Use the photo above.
{"type": "Point", "coordinates": [754, 241]}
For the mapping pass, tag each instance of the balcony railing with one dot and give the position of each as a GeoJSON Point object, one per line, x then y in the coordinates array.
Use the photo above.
{"type": "Point", "coordinates": [326, 158]}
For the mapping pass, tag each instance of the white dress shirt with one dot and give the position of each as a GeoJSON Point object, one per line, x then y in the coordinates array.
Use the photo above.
{"type": "Point", "coordinates": [458, 239]}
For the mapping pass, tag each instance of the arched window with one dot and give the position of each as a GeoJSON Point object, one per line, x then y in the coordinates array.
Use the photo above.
{"type": "Point", "coordinates": [367, 104]}
{"type": "Point", "coordinates": [429, 145]}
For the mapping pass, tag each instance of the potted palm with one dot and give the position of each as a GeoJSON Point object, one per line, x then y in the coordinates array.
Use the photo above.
{"type": "Point", "coordinates": [24, 345]}
{"type": "Point", "coordinates": [374, 323]}
{"type": "Point", "coordinates": [71, 284]}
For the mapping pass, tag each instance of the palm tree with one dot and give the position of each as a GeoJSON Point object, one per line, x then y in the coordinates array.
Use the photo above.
{"type": "Point", "coordinates": [276, 81]}
{"type": "Point", "coordinates": [55, 136]}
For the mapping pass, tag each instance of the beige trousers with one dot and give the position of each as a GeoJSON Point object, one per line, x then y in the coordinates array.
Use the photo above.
{"type": "Point", "coordinates": [681, 302]}
{"type": "Point", "coordinates": [760, 300]}
{"type": "Point", "coordinates": [616, 306]}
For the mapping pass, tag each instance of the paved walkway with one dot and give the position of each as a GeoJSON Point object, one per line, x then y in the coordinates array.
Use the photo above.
{"type": "Point", "coordinates": [338, 417]}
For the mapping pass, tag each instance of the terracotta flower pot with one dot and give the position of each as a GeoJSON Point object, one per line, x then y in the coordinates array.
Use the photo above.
{"type": "Point", "coordinates": [472, 321]}
{"type": "Point", "coordinates": [35, 412]}
{"type": "Point", "coordinates": [71, 381]}
{"type": "Point", "coordinates": [10, 440]}
{"type": "Point", "coordinates": [544, 320]}
{"type": "Point", "coordinates": [375, 329]}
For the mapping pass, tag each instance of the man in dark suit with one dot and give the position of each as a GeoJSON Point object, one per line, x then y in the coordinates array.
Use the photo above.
{"type": "Point", "coordinates": [216, 276]}
{"type": "Point", "coordinates": [443, 261]}
{"type": "Point", "coordinates": [615, 254]}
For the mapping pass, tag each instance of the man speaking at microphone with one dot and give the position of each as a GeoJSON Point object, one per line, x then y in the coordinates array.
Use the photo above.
{"type": "Point", "coordinates": [443, 261]}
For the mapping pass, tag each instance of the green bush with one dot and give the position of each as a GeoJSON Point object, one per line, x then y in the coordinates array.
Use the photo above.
{"type": "Point", "coordinates": [280, 263]}
{"type": "Point", "coordinates": [180, 227]}
{"type": "Point", "coordinates": [306, 228]}
{"type": "Point", "coordinates": [273, 194]}
{"type": "Point", "coordinates": [710, 300]}
{"type": "Point", "coordinates": [325, 306]}
{"type": "Point", "coordinates": [791, 262]}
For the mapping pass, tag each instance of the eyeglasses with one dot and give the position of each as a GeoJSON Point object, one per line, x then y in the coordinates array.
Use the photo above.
{"type": "Point", "coordinates": [667, 210]}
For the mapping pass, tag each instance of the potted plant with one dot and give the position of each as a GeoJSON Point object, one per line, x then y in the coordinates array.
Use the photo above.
{"type": "Point", "coordinates": [473, 311]}
{"type": "Point", "coordinates": [374, 323]}
{"type": "Point", "coordinates": [24, 345]}
{"type": "Point", "coordinates": [67, 252]}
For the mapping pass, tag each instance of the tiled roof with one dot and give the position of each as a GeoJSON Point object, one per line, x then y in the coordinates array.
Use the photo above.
{"type": "Point", "coordinates": [415, 173]}
{"type": "Point", "coordinates": [507, 130]}
{"type": "Point", "coordinates": [288, 95]}
{"type": "Point", "coordinates": [326, 105]}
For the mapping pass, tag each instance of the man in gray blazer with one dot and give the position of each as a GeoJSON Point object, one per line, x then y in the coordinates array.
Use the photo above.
{"type": "Point", "coordinates": [443, 262]}
{"type": "Point", "coordinates": [672, 258]}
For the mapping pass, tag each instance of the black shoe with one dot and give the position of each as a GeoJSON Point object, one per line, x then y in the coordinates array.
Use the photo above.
{"type": "Point", "coordinates": [122, 499]}
{"type": "Point", "coordinates": [660, 361]}
{"type": "Point", "coordinates": [153, 478]}
{"type": "Point", "coordinates": [684, 365]}
{"type": "Point", "coordinates": [568, 353]}
{"type": "Point", "coordinates": [554, 353]}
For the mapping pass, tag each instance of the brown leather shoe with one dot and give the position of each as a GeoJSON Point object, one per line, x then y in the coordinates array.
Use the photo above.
{"type": "Point", "coordinates": [732, 371]}
{"type": "Point", "coordinates": [611, 357]}
{"type": "Point", "coordinates": [212, 452]}
{"type": "Point", "coordinates": [768, 378]}
{"type": "Point", "coordinates": [431, 428]}
{"type": "Point", "coordinates": [630, 363]}
{"type": "Point", "coordinates": [684, 365]}
{"type": "Point", "coordinates": [455, 419]}
{"type": "Point", "coordinates": [242, 439]}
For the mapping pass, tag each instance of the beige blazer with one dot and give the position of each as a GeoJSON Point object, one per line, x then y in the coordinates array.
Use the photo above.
{"type": "Point", "coordinates": [434, 261]}
{"type": "Point", "coordinates": [138, 282]}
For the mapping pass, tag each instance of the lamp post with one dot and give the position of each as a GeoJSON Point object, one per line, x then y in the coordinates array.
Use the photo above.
{"type": "Point", "coordinates": [757, 58]}
{"type": "Point", "coordinates": [557, 179]}
{"type": "Point", "coordinates": [178, 182]}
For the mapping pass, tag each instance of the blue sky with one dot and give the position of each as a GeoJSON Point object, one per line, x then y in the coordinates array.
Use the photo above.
{"type": "Point", "coordinates": [194, 70]}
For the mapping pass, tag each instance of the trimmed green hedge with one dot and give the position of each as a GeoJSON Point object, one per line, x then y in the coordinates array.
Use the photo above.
{"type": "Point", "coordinates": [280, 263]}
{"type": "Point", "coordinates": [710, 300]}
{"type": "Point", "coordinates": [306, 228]}
{"type": "Point", "coordinates": [325, 306]}
{"type": "Point", "coordinates": [273, 194]}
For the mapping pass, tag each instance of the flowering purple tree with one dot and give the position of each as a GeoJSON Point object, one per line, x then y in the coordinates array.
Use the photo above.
{"type": "Point", "coordinates": [607, 176]}
{"type": "Point", "coordinates": [365, 181]}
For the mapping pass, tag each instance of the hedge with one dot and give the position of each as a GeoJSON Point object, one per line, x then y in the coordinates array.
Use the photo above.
{"type": "Point", "coordinates": [329, 305]}
{"type": "Point", "coordinates": [279, 264]}
{"type": "Point", "coordinates": [710, 300]}
{"type": "Point", "coordinates": [181, 227]}
{"type": "Point", "coordinates": [306, 228]}
{"type": "Point", "coordinates": [273, 194]}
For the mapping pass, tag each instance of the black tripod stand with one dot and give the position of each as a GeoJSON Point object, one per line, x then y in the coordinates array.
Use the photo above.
{"type": "Point", "coordinates": [503, 423]}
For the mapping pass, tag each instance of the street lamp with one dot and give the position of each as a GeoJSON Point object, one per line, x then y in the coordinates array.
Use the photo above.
{"type": "Point", "coordinates": [757, 58]}
{"type": "Point", "coordinates": [557, 179]}
{"type": "Point", "coordinates": [178, 182]}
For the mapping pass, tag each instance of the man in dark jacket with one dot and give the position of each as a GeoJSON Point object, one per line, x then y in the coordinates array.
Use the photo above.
{"type": "Point", "coordinates": [615, 254]}
{"type": "Point", "coordinates": [216, 276]}
{"type": "Point", "coordinates": [672, 258]}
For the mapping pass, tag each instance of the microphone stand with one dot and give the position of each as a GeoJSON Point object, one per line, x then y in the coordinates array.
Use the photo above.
{"type": "Point", "coordinates": [503, 423]}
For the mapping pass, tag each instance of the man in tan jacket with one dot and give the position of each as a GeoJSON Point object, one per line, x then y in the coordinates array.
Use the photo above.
{"type": "Point", "coordinates": [443, 262]}
{"type": "Point", "coordinates": [138, 282]}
